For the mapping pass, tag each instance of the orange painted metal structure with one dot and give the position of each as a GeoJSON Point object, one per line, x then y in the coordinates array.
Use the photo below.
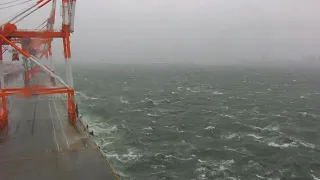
{"type": "Point", "coordinates": [39, 139]}
{"type": "Point", "coordinates": [35, 90]}
{"type": "Point", "coordinates": [31, 41]}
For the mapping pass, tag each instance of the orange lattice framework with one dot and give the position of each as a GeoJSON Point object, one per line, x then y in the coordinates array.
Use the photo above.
{"type": "Point", "coordinates": [34, 45]}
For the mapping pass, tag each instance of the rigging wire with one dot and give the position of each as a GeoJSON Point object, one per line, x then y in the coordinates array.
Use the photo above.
{"type": "Point", "coordinates": [19, 14]}
{"type": "Point", "coordinates": [15, 4]}
{"type": "Point", "coordinates": [42, 24]}
{"type": "Point", "coordinates": [9, 2]}
{"type": "Point", "coordinates": [16, 14]}
{"type": "Point", "coordinates": [43, 4]}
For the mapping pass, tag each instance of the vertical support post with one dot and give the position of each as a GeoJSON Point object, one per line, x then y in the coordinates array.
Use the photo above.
{"type": "Point", "coordinates": [65, 29]}
{"type": "Point", "coordinates": [2, 74]}
{"type": "Point", "coordinates": [50, 57]}
{"type": "Point", "coordinates": [65, 61]}
{"type": "Point", "coordinates": [72, 15]}
{"type": "Point", "coordinates": [25, 44]}
{"type": "Point", "coordinates": [53, 81]}
{"type": "Point", "coordinates": [1, 63]}
{"type": "Point", "coordinates": [4, 112]}
{"type": "Point", "coordinates": [1, 56]}
{"type": "Point", "coordinates": [52, 15]}
{"type": "Point", "coordinates": [71, 106]}
{"type": "Point", "coordinates": [66, 42]}
{"type": "Point", "coordinates": [50, 27]}
{"type": "Point", "coordinates": [70, 73]}
{"type": "Point", "coordinates": [26, 71]}
{"type": "Point", "coordinates": [67, 55]}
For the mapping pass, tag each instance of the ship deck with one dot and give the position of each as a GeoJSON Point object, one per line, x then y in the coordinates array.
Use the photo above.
{"type": "Point", "coordinates": [40, 143]}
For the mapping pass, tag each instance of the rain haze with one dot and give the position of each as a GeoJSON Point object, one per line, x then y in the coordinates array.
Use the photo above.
{"type": "Point", "coordinates": [168, 89]}
{"type": "Point", "coordinates": [203, 31]}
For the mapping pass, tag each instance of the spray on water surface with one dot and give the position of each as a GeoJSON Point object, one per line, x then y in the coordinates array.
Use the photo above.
{"type": "Point", "coordinates": [197, 122]}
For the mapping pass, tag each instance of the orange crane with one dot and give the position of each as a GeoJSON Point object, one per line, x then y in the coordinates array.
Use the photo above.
{"type": "Point", "coordinates": [39, 137]}
{"type": "Point", "coordinates": [36, 44]}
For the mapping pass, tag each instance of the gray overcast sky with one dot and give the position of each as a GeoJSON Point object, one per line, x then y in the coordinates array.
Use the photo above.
{"type": "Point", "coordinates": [192, 30]}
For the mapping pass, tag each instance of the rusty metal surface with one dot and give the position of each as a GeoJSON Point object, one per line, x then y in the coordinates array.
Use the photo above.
{"type": "Point", "coordinates": [39, 144]}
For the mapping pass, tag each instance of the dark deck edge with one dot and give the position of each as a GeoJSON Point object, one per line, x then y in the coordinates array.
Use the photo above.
{"type": "Point", "coordinates": [80, 126]}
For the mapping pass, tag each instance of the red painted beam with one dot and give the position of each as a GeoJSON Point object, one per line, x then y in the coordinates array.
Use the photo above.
{"type": "Point", "coordinates": [36, 34]}
{"type": "Point", "coordinates": [1, 57]}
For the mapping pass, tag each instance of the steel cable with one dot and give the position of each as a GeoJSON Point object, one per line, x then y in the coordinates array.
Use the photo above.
{"type": "Point", "coordinates": [9, 2]}
{"type": "Point", "coordinates": [15, 4]}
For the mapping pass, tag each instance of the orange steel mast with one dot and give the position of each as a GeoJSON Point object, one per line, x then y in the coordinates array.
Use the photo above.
{"type": "Point", "coordinates": [31, 41]}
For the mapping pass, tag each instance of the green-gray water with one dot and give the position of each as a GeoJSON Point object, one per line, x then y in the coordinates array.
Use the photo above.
{"type": "Point", "coordinates": [196, 122]}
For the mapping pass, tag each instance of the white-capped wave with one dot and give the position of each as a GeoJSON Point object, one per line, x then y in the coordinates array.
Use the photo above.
{"type": "Point", "coordinates": [82, 95]}
{"type": "Point", "coordinates": [131, 155]}
{"type": "Point", "coordinates": [216, 93]}
{"type": "Point", "coordinates": [307, 145]}
{"type": "Point", "coordinates": [255, 136]}
{"type": "Point", "coordinates": [210, 128]}
{"type": "Point", "coordinates": [123, 100]}
{"type": "Point", "coordinates": [232, 136]}
{"type": "Point", "coordinates": [227, 115]}
{"type": "Point", "coordinates": [153, 115]}
{"type": "Point", "coordinates": [148, 128]}
{"type": "Point", "coordinates": [305, 114]}
{"type": "Point", "coordinates": [282, 146]}
{"type": "Point", "coordinates": [314, 177]}
{"type": "Point", "coordinates": [211, 169]}
{"type": "Point", "coordinates": [267, 128]}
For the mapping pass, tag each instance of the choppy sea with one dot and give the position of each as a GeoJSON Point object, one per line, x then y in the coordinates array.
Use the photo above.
{"type": "Point", "coordinates": [192, 122]}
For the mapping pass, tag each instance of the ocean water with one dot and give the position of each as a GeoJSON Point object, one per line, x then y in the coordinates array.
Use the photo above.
{"type": "Point", "coordinates": [190, 122]}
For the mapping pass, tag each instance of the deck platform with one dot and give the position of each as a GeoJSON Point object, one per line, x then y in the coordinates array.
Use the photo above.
{"type": "Point", "coordinates": [40, 143]}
